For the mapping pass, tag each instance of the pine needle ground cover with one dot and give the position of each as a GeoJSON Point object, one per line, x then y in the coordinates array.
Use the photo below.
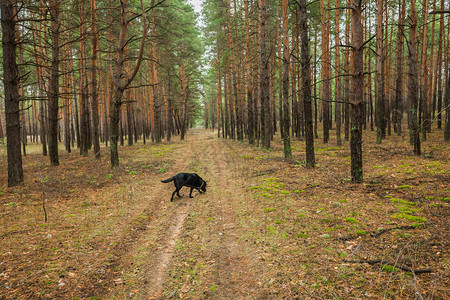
{"type": "Point", "coordinates": [266, 228]}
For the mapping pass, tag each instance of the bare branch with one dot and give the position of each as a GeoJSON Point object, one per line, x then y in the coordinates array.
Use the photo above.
{"type": "Point", "coordinates": [437, 12]}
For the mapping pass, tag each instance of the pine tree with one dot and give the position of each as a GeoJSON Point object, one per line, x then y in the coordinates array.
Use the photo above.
{"type": "Point", "coordinates": [12, 99]}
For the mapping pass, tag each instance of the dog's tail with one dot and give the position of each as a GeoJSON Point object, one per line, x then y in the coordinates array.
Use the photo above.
{"type": "Point", "coordinates": [167, 180]}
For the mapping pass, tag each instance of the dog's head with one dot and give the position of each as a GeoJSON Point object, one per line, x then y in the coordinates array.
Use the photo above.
{"type": "Point", "coordinates": [203, 186]}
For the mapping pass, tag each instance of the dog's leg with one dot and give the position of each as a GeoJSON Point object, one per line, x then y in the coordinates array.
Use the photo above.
{"type": "Point", "coordinates": [173, 194]}
{"type": "Point", "coordinates": [178, 192]}
{"type": "Point", "coordinates": [178, 187]}
{"type": "Point", "coordinates": [190, 193]}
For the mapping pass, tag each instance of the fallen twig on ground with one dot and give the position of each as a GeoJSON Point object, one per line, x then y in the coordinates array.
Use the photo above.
{"type": "Point", "coordinates": [382, 262]}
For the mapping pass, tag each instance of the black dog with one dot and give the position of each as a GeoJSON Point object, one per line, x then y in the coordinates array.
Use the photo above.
{"type": "Point", "coordinates": [187, 179]}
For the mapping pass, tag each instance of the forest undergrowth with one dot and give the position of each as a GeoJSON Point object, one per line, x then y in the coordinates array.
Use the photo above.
{"type": "Point", "coordinates": [267, 228]}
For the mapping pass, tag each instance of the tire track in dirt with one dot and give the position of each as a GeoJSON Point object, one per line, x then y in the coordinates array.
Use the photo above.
{"type": "Point", "coordinates": [163, 256]}
{"type": "Point", "coordinates": [152, 246]}
{"type": "Point", "coordinates": [234, 276]}
{"type": "Point", "coordinates": [156, 246]}
{"type": "Point", "coordinates": [174, 222]}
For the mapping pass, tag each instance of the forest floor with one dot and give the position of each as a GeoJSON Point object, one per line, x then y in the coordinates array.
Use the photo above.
{"type": "Point", "coordinates": [267, 227]}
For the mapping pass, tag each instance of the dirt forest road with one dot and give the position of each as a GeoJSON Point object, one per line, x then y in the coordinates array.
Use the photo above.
{"type": "Point", "coordinates": [230, 272]}
{"type": "Point", "coordinates": [267, 227]}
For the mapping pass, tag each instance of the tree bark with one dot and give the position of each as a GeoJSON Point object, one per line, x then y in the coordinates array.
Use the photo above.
{"type": "Point", "coordinates": [53, 100]}
{"type": "Point", "coordinates": [183, 104]}
{"type": "Point", "coordinates": [357, 93]}
{"type": "Point", "coordinates": [306, 82]}
{"type": "Point", "coordinates": [129, 115]}
{"type": "Point", "coordinates": [226, 112]}
{"type": "Point", "coordinates": [447, 108]}
{"type": "Point", "coordinates": [325, 72]}
{"type": "Point", "coordinates": [157, 103]}
{"type": "Point", "coordinates": [84, 87]}
{"type": "Point", "coordinates": [95, 116]}
{"type": "Point", "coordinates": [347, 93]}
{"type": "Point", "coordinates": [413, 82]}
{"type": "Point", "coordinates": [119, 87]}
{"type": "Point", "coordinates": [431, 71]}
{"type": "Point", "coordinates": [236, 75]}
{"type": "Point", "coordinates": [40, 78]}
{"type": "Point", "coordinates": [278, 38]}
{"type": "Point", "coordinates": [67, 83]}
{"type": "Point", "coordinates": [380, 106]}
{"type": "Point", "coordinates": [23, 126]}
{"type": "Point", "coordinates": [250, 113]}
{"type": "Point", "coordinates": [264, 80]}
{"type": "Point", "coordinates": [219, 95]}
{"type": "Point", "coordinates": [11, 90]}
{"type": "Point", "coordinates": [338, 90]}
{"type": "Point", "coordinates": [170, 127]}
{"type": "Point", "coordinates": [424, 74]}
{"type": "Point", "coordinates": [398, 103]}
{"type": "Point", "coordinates": [285, 121]}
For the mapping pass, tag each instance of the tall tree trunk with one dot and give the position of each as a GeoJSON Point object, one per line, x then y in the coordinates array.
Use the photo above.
{"type": "Point", "coordinates": [236, 76]}
{"type": "Point", "coordinates": [431, 80]}
{"type": "Point", "coordinates": [257, 86]}
{"type": "Point", "coordinates": [151, 97]}
{"type": "Point", "coordinates": [273, 117]}
{"type": "Point", "coordinates": [357, 93]}
{"type": "Point", "coordinates": [370, 106]}
{"type": "Point", "coordinates": [119, 87]}
{"type": "Point", "coordinates": [424, 74]}
{"type": "Point", "coordinates": [40, 78]}
{"type": "Point", "coordinates": [84, 87]}
{"type": "Point", "coordinates": [42, 128]}
{"type": "Point", "coordinates": [447, 108]}
{"type": "Point", "coordinates": [347, 93]}
{"type": "Point", "coordinates": [53, 105]}
{"type": "Point", "coordinates": [439, 70]}
{"type": "Point", "coordinates": [306, 85]}
{"type": "Point", "coordinates": [412, 82]}
{"type": "Point", "coordinates": [66, 92]}
{"type": "Point", "coordinates": [95, 116]}
{"type": "Point", "coordinates": [398, 103]}
{"type": "Point", "coordinates": [219, 95]}
{"type": "Point", "coordinates": [447, 90]}
{"type": "Point", "coordinates": [128, 110]}
{"type": "Point", "coordinates": [250, 112]}
{"type": "Point", "coordinates": [325, 72]}
{"type": "Point", "coordinates": [226, 112]}
{"type": "Point", "coordinates": [77, 119]}
{"type": "Point", "coordinates": [380, 106]}
{"type": "Point", "coordinates": [23, 126]}
{"type": "Point", "coordinates": [264, 80]}
{"type": "Point", "coordinates": [106, 102]}
{"type": "Point", "coordinates": [387, 73]}
{"type": "Point", "coordinates": [157, 104]}
{"type": "Point", "coordinates": [279, 33]}
{"type": "Point", "coordinates": [183, 104]}
{"type": "Point", "coordinates": [129, 115]}
{"type": "Point", "coordinates": [297, 104]}
{"type": "Point", "coordinates": [316, 110]}
{"type": "Point", "coordinates": [170, 127]}
{"type": "Point", "coordinates": [11, 90]}
{"type": "Point", "coordinates": [285, 121]}
{"type": "Point", "coordinates": [338, 91]}
{"type": "Point", "coordinates": [2, 135]}
{"type": "Point", "coordinates": [232, 124]}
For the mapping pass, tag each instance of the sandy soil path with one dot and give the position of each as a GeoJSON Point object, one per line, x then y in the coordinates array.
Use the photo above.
{"type": "Point", "coordinates": [231, 266]}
